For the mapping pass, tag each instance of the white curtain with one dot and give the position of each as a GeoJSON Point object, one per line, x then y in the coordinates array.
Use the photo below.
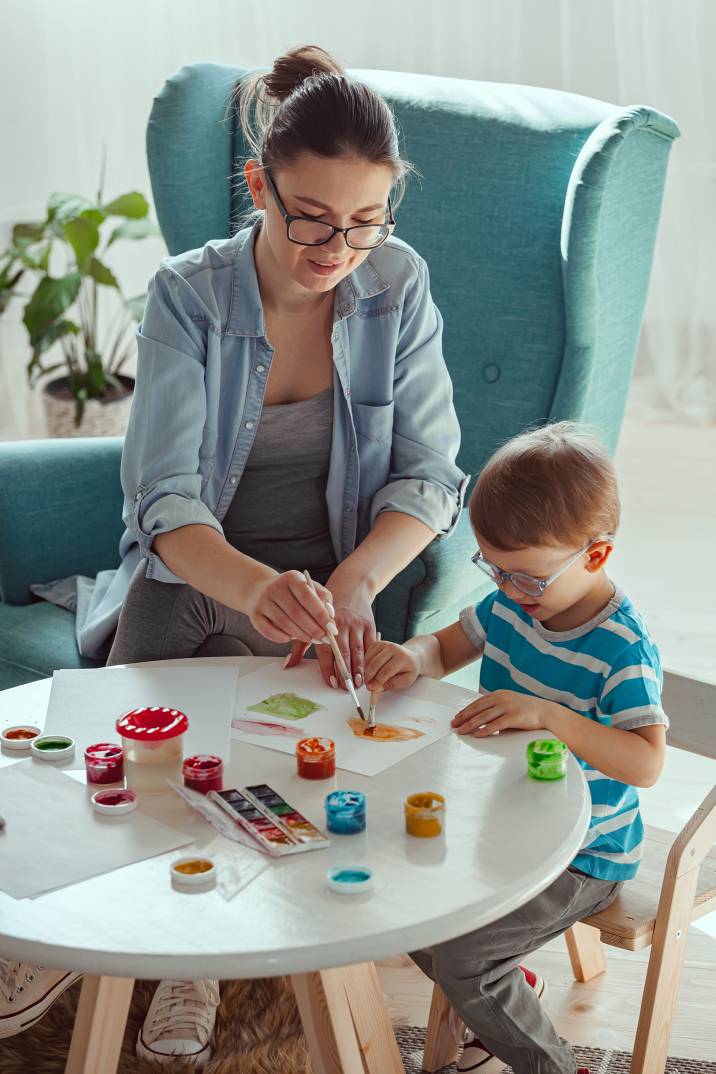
{"type": "Point", "coordinates": [77, 74]}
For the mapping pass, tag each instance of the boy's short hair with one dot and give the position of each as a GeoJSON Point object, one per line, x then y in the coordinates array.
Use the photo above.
{"type": "Point", "coordinates": [550, 486]}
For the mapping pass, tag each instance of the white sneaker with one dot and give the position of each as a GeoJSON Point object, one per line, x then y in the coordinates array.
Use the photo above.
{"type": "Point", "coordinates": [475, 1057]}
{"type": "Point", "coordinates": [180, 1022]}
{"type": "Point", "coordinates": [27, 992]}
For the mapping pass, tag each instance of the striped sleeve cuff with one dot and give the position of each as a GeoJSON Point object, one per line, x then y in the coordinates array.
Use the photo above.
{"type": "Point", "coordinates": [472, 628]}
{"type": "Point", "coordinates": [643, 716]}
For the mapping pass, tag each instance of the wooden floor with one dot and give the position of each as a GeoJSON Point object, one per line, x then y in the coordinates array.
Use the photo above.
{"type": "Point", "coordinates": [663, 560]}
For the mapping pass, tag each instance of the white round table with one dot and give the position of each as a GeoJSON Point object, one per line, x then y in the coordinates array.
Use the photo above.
{"type": "Point", "coordinates": [507, 838]}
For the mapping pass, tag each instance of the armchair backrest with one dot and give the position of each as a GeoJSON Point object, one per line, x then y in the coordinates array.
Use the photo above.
{"type": "Point", "coordinates": [536, 214]}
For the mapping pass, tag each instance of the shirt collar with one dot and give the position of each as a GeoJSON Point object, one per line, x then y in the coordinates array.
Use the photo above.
{"type": "Point", "coordinates": [246, 317]}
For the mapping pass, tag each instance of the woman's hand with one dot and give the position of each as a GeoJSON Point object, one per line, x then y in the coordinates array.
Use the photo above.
{"type": "Point", "coordinates": [355, 632]}
{"type": "Point", "coordinates": [283, 607]}
{"type": "Point", "coordinates": [500, 711]}
{"type": "Point", "coordinates": [389, 666]}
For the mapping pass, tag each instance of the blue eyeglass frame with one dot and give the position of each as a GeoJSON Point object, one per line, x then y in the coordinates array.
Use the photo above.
{"type": "Point", "coordinates": [539, 584]}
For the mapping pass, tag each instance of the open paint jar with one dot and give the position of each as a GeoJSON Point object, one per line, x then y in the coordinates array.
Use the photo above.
{"type": "Point", "coordinates": [203, 772]}
{"type": "Point", "coordinates": [152, 739]}
{"type": "Point", "coordinates": [104, 763]}
{"type": "Point", "coordinates": [547, 759]}
{"type": "Point", "coordinates": [193, 872]}
{"type": "Point", "coordinates": [316, 758]}
{"type": "Point", "coordinates": [345, 812]}
{"type": "Point", "coordinates": [425, 814]}
{"type": "Point", "coordinates": [114, 803]}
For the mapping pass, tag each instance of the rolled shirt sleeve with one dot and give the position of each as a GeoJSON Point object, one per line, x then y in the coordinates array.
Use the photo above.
{"type": "Point", "coordinates": [161, 457]}
{"type": "Point", "coordinates": [424, 480]}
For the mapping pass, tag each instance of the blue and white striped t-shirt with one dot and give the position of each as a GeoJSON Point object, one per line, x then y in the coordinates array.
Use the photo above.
{"type": "Point", "coordinates": [608, 670]}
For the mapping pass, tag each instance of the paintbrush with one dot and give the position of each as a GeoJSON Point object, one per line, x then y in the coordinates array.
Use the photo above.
{"type": "Point", "coordinates": [373, 701]}
{"type": "Point", "coordinates": [338, 657]}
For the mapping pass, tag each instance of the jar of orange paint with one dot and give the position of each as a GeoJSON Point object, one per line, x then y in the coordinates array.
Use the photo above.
{"type": "Point", "coordinates": [316, 758]}
{"type": "Point", "coordinates": [425, 814]}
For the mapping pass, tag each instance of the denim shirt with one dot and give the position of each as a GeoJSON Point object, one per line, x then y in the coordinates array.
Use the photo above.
{"type": "Point", "coordinates": [203, 365]}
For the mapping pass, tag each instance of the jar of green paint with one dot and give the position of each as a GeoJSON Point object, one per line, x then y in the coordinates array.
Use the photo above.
{"type": "Point", "coordinates": [547, 759]}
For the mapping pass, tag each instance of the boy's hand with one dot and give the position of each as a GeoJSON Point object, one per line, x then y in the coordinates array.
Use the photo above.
{"type": "Point", "coordinates": [499, 711]}
{"type": "Point", "coordinates": [390, 667]}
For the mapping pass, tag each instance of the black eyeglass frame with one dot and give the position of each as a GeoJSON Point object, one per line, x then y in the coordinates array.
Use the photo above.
{"type": "Point", "coordinates": [389, 223]}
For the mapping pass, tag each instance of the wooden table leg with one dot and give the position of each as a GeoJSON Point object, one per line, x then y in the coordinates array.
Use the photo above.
{"type": "Point", "coordinates": [99, 1025]}
{"type": "Point", "coordinates": [345, 1022]}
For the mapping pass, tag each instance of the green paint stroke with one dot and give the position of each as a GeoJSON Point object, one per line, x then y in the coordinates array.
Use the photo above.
{"type": "Point", "coordinates": [287, 706]}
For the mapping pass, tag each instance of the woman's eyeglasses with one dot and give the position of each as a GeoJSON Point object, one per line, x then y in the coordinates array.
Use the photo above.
{"type": "Point", "coordinates": [305, 231]}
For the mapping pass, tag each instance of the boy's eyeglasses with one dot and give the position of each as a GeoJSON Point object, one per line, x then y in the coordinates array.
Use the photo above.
{"type": "Point", "coordinates": [305, 231]}
{"type": "Point", "coordinates": [527, 583]}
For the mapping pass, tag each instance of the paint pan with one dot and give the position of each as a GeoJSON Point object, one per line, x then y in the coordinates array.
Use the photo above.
{"type": "Point", "coordinates": [298, 827]}
{"type": "Point", "coordinates": [114, 803]}
{"type": "Point", "coordinates": [193, 872]}
{"type": "Point", "coordinates": [278, 828]}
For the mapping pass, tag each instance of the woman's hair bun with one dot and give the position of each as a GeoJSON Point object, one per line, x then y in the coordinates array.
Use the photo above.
{"type": "Point", "coordinates": [295, 66]}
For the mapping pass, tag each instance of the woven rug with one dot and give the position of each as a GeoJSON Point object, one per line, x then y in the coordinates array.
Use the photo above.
{"type": "Point", "coordinates": [257, 1032]}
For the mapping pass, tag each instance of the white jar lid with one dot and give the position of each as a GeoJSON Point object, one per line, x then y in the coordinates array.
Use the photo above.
{"type": "Point", "coordinates": [202, 877]}
{"type": "Point", "coordinates": [10, 743]}
{"type": "Point", "coordinates": [114, 802]}
{"type": "Point", "coordinates": [40, 747]}
{"type": "Point", "coordinates": [350, 879]}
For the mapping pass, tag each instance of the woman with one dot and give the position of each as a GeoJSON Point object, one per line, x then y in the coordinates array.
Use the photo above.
{"type": "Point", "coordinates": [292, 410]}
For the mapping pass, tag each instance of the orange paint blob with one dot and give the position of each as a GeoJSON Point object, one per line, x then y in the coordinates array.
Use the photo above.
{"type": "Point", "coordinates": [382, 732]}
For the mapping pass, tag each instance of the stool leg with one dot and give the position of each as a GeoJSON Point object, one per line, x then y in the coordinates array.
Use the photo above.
{"type": "Point", "coordinates": [99, 1025]}
{"type": "Point", "coordinates": [586, 951]}
{"type": "Point", "coordinates": [443, 1033]}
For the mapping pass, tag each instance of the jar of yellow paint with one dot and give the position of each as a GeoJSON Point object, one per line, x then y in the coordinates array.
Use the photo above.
{"type": "Point", "coordinates": [425, 814]}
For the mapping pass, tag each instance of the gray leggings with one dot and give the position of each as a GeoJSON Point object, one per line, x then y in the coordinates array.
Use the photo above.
{"type": "Point", "coordinates": [479, 974]}
{"type": "Point", "coordinates": [162, 621]}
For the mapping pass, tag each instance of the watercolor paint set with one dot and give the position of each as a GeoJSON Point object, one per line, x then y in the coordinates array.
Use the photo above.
{"type": "Point", "coordinates": [276, 825]}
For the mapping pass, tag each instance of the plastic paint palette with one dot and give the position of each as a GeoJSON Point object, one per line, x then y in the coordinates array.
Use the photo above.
{"type": "Point", "coordinates": [276, 826]}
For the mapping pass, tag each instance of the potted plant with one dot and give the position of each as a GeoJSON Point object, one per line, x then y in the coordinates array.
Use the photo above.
{"type": "Point", "coordinates": [92, 396]}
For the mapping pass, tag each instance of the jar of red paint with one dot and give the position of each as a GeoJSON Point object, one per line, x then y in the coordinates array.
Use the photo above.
{"type": "Point", "coordinates": [203, 772]}
{"type": "Point", "coordinates": [316, 758]}
{"type": "Point", "coordinates": [104, 763]}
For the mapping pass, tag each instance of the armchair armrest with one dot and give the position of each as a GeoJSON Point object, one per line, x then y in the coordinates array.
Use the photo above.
{"type": "Point", "coordinates": [60, 511]}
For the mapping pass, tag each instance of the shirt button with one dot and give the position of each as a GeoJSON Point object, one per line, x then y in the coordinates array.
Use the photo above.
{"type": "Point", "coordinates": [260, 368]}
{"type": "Point", "coordinates": [491, 372]}
{"type": "Point", "coordinates": [138, 496]}
{"type": "Point", "coordinates": [249, 425]}
{"type": "Point", "coordinates": [232, 480]}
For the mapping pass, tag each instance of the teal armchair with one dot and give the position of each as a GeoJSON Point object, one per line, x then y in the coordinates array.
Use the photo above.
{"type": "Point", "coordinates": [536, 213]}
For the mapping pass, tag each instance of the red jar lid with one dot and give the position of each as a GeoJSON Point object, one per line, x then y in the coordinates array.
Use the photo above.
{"type": "Point", "coordinates": [153, 724]}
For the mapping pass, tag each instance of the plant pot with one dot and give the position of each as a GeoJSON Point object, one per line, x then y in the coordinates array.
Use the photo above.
{"type": "Point", "coordinates": [101, 417]}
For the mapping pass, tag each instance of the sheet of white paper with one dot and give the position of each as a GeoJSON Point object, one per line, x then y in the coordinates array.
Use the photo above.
{"type": "Point", "coordinates": [86, 704]}
{"type": "Point", "coordinates": [319, 710]}
{"type": "Point", "coordinates": [53, 837]}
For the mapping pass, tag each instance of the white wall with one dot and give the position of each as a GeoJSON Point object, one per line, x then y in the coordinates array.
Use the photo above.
{"type": "Point", "coordinates": [79, 73]}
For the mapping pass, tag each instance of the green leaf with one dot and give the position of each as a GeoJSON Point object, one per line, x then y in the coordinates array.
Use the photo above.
{"type": "Point", "coordinates": [50, 300]}
{"type": "Point", "coordinates": [133, 205]}
{"type": "Point", "coordinates": [29, 232]}
{"type": "Point", "coordinates": [96, 216]}
{"type": "Point", "coordinates": [95, 373]}
{"type": "Point", "coordinates": [64, 207]}
{"type": "Point", "coordinates": [102, 274]}
{"type": "Point", "coordinates": [83, 236]}
{"type": "Point", "coordinates": [54, 332]}
{"type": "Point", "coordinates": [136, 306]}
{"type": "Point", "coordinates": [134, 229]}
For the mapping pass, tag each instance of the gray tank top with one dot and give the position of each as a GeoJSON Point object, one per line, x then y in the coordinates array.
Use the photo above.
{"type": "Point", "coordinates": [279, 514]}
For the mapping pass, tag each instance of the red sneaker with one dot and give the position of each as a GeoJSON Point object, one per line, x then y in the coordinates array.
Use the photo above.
{"type": "Point", "coordinates": [475, 1056]}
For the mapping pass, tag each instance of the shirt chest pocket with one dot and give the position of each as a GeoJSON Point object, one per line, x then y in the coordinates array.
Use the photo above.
{"type": "Point", "coordinates": [374, 431]}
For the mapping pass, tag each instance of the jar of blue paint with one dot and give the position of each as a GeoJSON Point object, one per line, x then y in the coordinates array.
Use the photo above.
{"type": "Point", "coordinates": [345, 812]}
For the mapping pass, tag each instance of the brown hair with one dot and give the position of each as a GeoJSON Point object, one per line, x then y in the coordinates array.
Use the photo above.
{"type": "Point", "coordinates": [306, 103]}
{"type": "Point", "coordinates": [550, 486]}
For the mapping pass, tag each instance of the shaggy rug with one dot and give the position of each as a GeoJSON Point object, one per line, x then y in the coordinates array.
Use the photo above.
{"type": "Point", "coordinates": [257, 1032]}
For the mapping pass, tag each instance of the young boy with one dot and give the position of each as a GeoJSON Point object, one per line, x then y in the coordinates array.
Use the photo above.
{"type": "Point", "coordinates": [563, 651]}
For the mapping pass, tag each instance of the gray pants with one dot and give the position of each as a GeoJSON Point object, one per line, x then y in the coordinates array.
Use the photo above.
{"type": "Point", "coordinates": [161, 621]}
{"type": "Point", "coordinates": [479, 974]}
